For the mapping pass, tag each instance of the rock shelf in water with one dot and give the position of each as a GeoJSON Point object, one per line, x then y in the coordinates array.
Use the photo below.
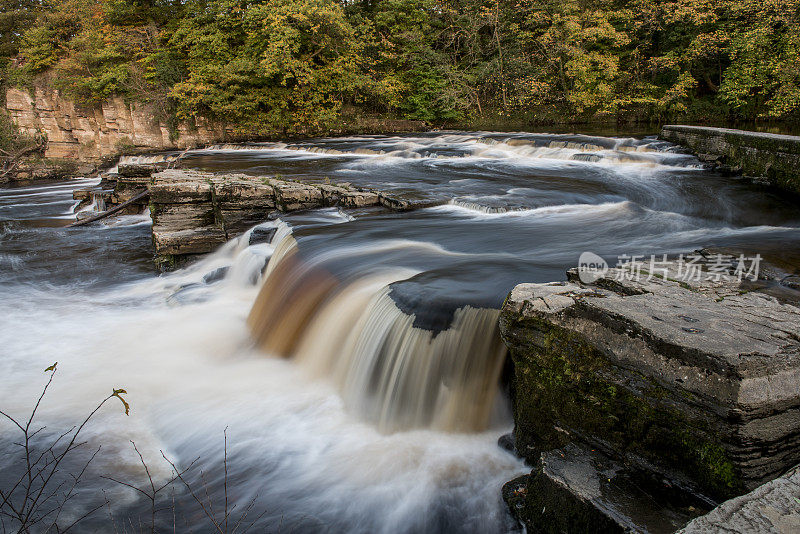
{"type": "Point", "coordinates": [579, 489]}
{"type": "Point", "coordinates": [195, 212]}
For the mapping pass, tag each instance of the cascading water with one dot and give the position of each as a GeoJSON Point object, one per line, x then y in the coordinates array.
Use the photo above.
{"type": "Point", "coordinates": [98, 203]}
{"type": "Point", "coordinates": [146, 159]}
{"type": "Point", "coordinates": [400, 376]}
{"type": "Point", "coordinates": [363, 394]}
{"type": "Point", "coordinates": [545, 148]}
{"type": "Point", "coordinates": [397, 375]}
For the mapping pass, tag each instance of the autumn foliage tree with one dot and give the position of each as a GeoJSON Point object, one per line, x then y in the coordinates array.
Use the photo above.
{"type": "Point", "coordinates": [297, 65]}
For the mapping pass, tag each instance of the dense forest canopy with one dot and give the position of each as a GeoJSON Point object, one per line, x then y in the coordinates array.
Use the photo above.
{"type": "Point", "coordinates": [279, 64]}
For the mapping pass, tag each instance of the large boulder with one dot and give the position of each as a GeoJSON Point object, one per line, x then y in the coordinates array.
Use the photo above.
{"type": "Point", "coordinates": [695, 380]}
{"type": "Point", "coordinates": [136, 170]}
{"type": "Point", "coordinates": [773, 508]}
{"type": "Point", "coordinates": [292, 196]}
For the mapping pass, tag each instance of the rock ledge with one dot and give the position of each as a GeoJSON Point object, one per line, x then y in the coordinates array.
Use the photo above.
{"type": "Point", "coordinates": [698, 381]}
{"type": "Point", "coordinates": [195, 212]}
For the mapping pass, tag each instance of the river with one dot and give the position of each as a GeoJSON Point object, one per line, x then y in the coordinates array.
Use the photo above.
{"type": "Point", "coordinates": [358, 372]}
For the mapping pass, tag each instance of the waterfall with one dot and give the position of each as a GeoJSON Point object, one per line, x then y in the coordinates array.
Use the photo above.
{"type": "Point", "coordinates": [453, 148]}
{"type": "Point", "coordinates": [390, 372]}
{"type": "Point", "coordinates": [400, 376]}
{"type": "Point", "coordinates": [145, 159]}
{"type": "Point", "coordinates": [96, 204]}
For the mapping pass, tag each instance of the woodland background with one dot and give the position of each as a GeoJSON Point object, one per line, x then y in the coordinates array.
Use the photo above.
{"type": "Point", "coordinates": [286, 65]}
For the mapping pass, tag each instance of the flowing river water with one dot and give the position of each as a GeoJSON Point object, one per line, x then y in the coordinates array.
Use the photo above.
{"type": "Point", "coordinates": [352, 355]}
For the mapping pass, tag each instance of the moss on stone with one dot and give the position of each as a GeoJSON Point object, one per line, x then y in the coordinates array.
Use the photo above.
{"type": "Point", "coordinates": [774, 157]}
{"type": "Point", "coordinates": [165, 262]}
{"type": "Point", "coordinates": [219, 218]}
{"type": "Point", "coordinates": [565, 386]}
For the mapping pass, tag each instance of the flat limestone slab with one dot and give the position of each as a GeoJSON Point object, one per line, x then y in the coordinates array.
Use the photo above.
{"type": "Point", "coordinates": [194, 212]}
{"type": "Point", "coordinates": [579, 489]}
{"type": "Point", "coordinates": [701, 380]}
{"type": "Point", "coordinates": [770, 509]}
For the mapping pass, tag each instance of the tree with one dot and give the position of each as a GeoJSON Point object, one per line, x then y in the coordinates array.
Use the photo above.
{"type": "Point", "coordinates": [276, 64]}
{"type": "Point", "coordinates": [763, 79]}
{"type": "Point", "coordinates": [292, 66]}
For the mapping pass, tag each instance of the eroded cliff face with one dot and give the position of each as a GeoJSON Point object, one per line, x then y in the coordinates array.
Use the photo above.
{"type": "Point", "coordinates": [89, 133]}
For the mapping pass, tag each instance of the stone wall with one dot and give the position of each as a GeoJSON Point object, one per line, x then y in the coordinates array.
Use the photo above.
{"type": "Point", "coordinates": [775, 157]}
{"type": "Point", "coordinates": [88, 133]}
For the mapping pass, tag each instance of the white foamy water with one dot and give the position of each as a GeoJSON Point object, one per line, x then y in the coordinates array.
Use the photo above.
{"type": "Point", "coordinates": [179, 345]}
{"type": "Point", "coordinates": [190, 370]}
{"type": "Point", "coordinates": [363, 395]}
{"type": "Point", "coordinates": [467, 150]}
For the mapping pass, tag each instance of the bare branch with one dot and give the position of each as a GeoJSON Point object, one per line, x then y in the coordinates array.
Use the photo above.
{"type": "Point", "coordinates": [193, 494]}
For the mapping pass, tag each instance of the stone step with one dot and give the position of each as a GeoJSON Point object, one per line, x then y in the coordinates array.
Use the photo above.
{"type": "Point", "coordinates": [579, 489]}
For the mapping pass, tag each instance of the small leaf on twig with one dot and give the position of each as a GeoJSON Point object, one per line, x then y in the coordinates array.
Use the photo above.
{"type": "Point", "coordinates": [118, 394]}
{"type": "Point", "coordinates": [51, 368]}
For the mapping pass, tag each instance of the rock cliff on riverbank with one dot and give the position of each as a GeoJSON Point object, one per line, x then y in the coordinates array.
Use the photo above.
{"type": "Point", "coordinates": [694, 381]}
{"type": "Point", "coordinates": [91, 133]}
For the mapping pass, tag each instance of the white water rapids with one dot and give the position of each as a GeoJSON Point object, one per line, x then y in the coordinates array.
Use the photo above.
{"type": "Point", "coordinates": [181, 349]}
{"type": "Point", "coordinates": [358, 372]}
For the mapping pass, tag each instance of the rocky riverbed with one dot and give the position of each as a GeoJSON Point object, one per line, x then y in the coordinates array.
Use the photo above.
{"type": "Point", "coordinates": [195, 212]}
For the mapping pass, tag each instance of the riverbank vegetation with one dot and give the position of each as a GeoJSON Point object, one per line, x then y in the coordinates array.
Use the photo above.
{"type": "Point", "coordinates": [285, 64]}
{"type": "Point", "coordinates": [44, 491]}
{"type": "Point", "coordinates": [15, 146]}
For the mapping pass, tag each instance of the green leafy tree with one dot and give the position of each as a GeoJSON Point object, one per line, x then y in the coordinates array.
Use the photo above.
{"type": "Point", "coordinates": [295, 66]}
{"type": "Point", "coordinates": [276, 64]}
{"type": "Point", "coordinates": [763, 79]}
